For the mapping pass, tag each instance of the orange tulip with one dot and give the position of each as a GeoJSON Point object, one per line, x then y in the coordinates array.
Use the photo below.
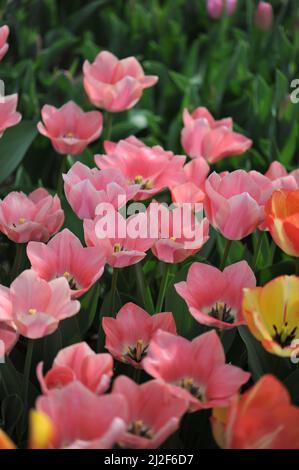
{"type": "Point", "coordinates": [262, 418]}
{"type": "Point", "coordinates": [282, 220]}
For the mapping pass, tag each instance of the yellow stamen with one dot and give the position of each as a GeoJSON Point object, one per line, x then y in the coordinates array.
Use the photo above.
{"type": "Point", "coordinates": [67, 275]}
{"type": "Point", "coordinates": [139, 349]}
{"type": "Point", "coordinates": [138, 179]}
{"type": "Point", "coordinates": [117, 248]}
{"type": "Point", "coordinates": [32, 311]}
{"type": "Point", "coordinates": [70, 134]}
{"type": "Point", "coordinates": [22, 220]}
{"type": "Point", "coordinates": [173, 239]}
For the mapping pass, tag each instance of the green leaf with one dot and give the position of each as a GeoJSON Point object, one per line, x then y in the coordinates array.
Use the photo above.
{"type": "Point", "coordinates": [88, 310]}
{"type": "Point", "coordinates": [261, 362]}
{"type": "Point", "coordinates": [76, 19]}
{"type": "Point", "coordinates": [14, 145]}
{"type": "Point", "coordinates": [11, 412]}
{"type": "Point", "coordinates": [292, 384]}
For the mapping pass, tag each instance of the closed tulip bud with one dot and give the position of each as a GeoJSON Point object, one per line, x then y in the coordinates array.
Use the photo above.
{"type": "Point", "coordinates": [264, 16]}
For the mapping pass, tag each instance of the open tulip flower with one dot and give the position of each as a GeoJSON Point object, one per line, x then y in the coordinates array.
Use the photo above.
{"type": "Point", "coordinates": [123, 249]}
{"type": "Point", "coordinates": [192, 190]}
{"type": "Point", "coordinates": [272, 314]}
{"type": "Point", "coordinates": [65, 256]}
{"type": "Point", "coordinates": [8, 115]}
{"type": "Point", "coordinates": [78, 362]}
{"type": "Point", "coordinates": [203, 136]}
{"type": "Point", "coordinates": [262, 418]}
{"type": "Point", "coordinates": [115, 85]}
{"type": "Point", "coordinates": [85, 188]}
{"type": "Point", "coordinates": [153, 168]}
{"type": "Point", "coordinates": [234, 202]}
{"type": "Point", "coordinates": [153, 412]}
{"type": "Point", "coordinates": [282, 220]}
{"type": "Point", "coordinates": [194, 370]}
{"type": "Point", "coordinates": [129, 334]}
{"type": "Point", "coordinates": [83, 420]}
{"type": "Point", "coordinates": [280, 178]}
{"type": "Point", "coordinates": [221, 306]}
{"type": "Point", "coordinates": [4, 32]}
{"type": "Point", "coordinates": [69, 128]}
{"type": "Point", "coordinates": [36, 306]}
{"type": "Point", "coordinates": [177, 238]}
{"type": "Point", "coordinates": [35, 217]}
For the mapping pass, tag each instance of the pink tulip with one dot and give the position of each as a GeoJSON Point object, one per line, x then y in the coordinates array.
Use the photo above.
{"type": "Point", "coordinates": [153, 413]}
{"type": "Point", "coordinates": [264, 16]}
{"type": "Point", "coordinates": [215, 7]}
{"type": "Point", "coordinates": [85, 188]}
{"type": "Point", "coordinates": [153, 168]}
{"type": "Point", "coordinates": [9, 117]}
{"type": "Point", "coordinates": [4, 32]}
{"type": "Point", "coordinates": [220, 306]}
{"type": "Point", "coordinates": [33, 217]}
{"type": "Point", "coordinates": [123, 250]}
{"type": "Point", "coordinates": [129, 334]}
{"type": "Point", "coordinates": [115, 85]}
{"type": "Point", "coordinates": [178, 237]}
{"type": "Point", "coordinates": [234, 202]}
{"type": "Point", "coordinates": [8, 338]}
{"type": "Point", "coordinates": [65, 256]}
{"type": "Point", "coordinates": [193, 189]}
{"type": "Point", "coordinates": [37, 306]}
{"type": "Point", "coordinates": [203, 136]}
{"type": "Point", "coordinates": [194, 370]}
{"type": "Point", "coordinates": [8, 334]}
{"type": "Point", "coordinates": [69, 128]}
{"type": "Point", "coordinates": [281, 179]}
{"type": "Point", "coordinates": [78, 362]}
{"type": "Point", "coordinates": [83, 420]}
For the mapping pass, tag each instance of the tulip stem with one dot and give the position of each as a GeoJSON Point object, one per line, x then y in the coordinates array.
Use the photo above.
{"type": "Point", "coordinates": [18, 262]}
{"type": "Point", "coordinates": [27, 368]}
{"type": "Point", "coordinates": [163, 287]}
{"type": "Point", "coordinates": [109, 119]}
{"type": "Point", "coordinates": [63, 168]}
{"type": "Point", "coordinates": [144, 290]}
{"type": "Point", "coordinates": [225, 254]}
{"type": "Point", "coordinates": [113, 291]}
{"type": "Point", "coordinates": [258, 249]}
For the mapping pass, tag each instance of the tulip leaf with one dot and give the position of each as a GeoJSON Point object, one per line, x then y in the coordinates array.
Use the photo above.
{"type": "Point", "coordinates": [88, 311]}
{"type": "Point", "coordinates": [14, 145]}
{"type": "Point", "coordinates": [261, 362]}
{"type": "Point", "coordinates": [11, 411]}
{"type": "Point", "coordinates": [292, 384]}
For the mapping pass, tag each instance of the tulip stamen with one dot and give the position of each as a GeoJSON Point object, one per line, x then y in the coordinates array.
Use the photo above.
{"type": "Point", "coordinates": [138, 351]}
{"type": "Point", "coordinates": [72, 282]}
{"type": "Point", "coordinates": [284, 337]}
{"type": "Point", "coordinates": [117, 248]}
{"type": "Point", "coordinates": [138, 428]}
{"type": "Point", "coordinates": [145, 184]}
{"type": "Point", "coordinates": [188, 384]}
{"type": "Point", "coordinates": [222, 312]}
{"type": "Point", "coordinates": [69, 135]}
{"type": "Point", "coordinates": [32, 311]}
